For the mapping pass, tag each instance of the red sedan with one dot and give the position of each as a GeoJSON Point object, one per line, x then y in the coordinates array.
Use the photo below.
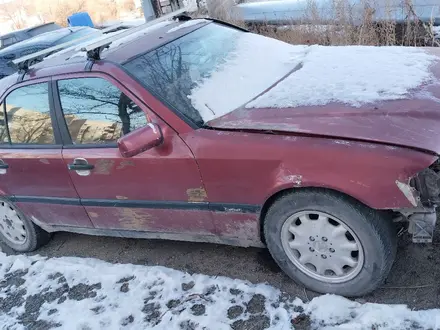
{"type": "Point", "coordinates": [197, 130]}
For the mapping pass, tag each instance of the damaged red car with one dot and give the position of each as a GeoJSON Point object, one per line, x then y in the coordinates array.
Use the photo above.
{"type": "Point", "coordinates": [201, 131]}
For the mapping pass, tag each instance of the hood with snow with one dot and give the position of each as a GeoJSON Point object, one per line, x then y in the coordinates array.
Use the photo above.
{"type": "Point", "coordinates": [383, 94]}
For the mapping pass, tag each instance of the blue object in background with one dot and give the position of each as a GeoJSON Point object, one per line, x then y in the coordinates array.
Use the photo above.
{"type": "Point", "coordinates": [80, 19]}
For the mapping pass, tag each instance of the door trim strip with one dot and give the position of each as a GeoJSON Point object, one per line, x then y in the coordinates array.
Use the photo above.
{"type": "Point", "coordinates": [148, 204]}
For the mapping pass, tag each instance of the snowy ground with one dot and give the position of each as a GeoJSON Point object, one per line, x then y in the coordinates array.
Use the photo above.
{"type": "Point", "coordinates": [80, 293]}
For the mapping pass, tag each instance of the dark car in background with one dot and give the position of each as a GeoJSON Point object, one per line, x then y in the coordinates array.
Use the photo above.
{"type": "Point", "coordinates": [20, 35]}
{"type": "Point", "coordinates": [40, 42]}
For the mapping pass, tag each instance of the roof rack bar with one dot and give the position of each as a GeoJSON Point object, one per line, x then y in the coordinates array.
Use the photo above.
{"type": "Point", "coordinates": [43, 53]}
{"type": "Point", "coordinates": [24, 62]}
{"type": "Point", "coordinates": [107, 41]}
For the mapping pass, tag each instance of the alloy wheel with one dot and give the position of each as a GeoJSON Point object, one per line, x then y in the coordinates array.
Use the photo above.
{"type": "Point", "coordinates": [322, 246]}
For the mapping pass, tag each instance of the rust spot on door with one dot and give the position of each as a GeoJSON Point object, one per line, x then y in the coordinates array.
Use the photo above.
{"type": "Point", "coordinates": [103, 166]}
{"type": "Point", "coordinates": [196, 195]}
{"type": "Point", "coordinates": [135, 219]}
{"type": "Point", "coordinates": [124, 164]}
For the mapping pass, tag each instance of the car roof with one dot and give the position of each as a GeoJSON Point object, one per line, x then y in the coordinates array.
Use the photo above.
{"type": "Point", "coordinates": [25, 30]}
{"type": "Point", "coordinates": [74, 60]}
{"type": "Point", "coordinates": [47, 38]}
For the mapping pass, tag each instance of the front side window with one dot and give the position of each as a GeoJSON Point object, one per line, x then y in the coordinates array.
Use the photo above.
{"type": "Point", "coordinates": [28, 115]}
{"type": "Point", "coordinates": [3, 132]}
{"type": "Point", "coordinates": [97, 112]}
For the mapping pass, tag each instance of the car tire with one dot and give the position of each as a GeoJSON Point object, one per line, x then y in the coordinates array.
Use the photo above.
{"type": "Point", "coordinates": [316, 261]}
{"type": "Point", "coordinates": [18, 232]}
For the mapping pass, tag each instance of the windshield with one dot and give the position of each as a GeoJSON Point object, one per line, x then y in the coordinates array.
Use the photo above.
{"type": "Point", "coordinates": [212, 70]}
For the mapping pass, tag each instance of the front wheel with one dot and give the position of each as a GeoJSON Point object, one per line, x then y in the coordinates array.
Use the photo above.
{"type": "Point", "coordinates": [330, 243]}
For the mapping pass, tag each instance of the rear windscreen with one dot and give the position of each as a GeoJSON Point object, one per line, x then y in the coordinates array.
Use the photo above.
{"type": "Point", "coordinates": [43, 29]}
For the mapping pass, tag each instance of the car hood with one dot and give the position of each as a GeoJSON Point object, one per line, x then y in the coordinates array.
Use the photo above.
{"type": "Point", "coordinates": [411, 122]}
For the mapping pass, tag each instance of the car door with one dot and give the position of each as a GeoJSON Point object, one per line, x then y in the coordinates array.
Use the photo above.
{"type": "Point", "coordinates": [159, 190]}
{"type": "Point", "coordinates": [32, 171]}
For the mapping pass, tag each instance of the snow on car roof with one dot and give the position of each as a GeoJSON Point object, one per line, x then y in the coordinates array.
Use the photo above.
{"type": "Point", "coordinates": [77, 49]}
{"type": "Point", "coordinates": [310, 75]}
{"type": "Point", "coordinates": [187, 24]}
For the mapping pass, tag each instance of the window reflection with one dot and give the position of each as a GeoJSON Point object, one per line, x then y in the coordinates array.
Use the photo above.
{"type": "Point", "coordinates": [3, 133]}
{"type": "Point", "coordinates": [171, 71]}
{"type": "Point", "coordinates": [28, 115]}
{"type": "Point", "coordinates": [97, 111]}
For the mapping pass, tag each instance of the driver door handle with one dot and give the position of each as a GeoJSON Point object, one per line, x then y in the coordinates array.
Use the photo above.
{"type": "Point", "coordinates": [81, 166]}
{"type": "Point", "coordinates": [3, 167]}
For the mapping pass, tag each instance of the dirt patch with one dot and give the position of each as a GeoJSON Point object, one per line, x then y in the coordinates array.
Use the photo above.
{"type": "Point", "coordinates": [124, 288]}
{"type": "Point", "coordinates": [256, 304]}
{"type": "Point", "coordinates": [13, 299]}
{"type": "Point", "coordinates": [152, 312]}
{"type": "Point", "coordinates": [83, 291]}
{"type": "Point", "coordinates": [235, 292]}
{"type": "Point", "coordinates": [173, 303]}
{"type": "Point", "coordinates": [188, 325]}
{"type": "Point", "coordinates": [254, 322]}
{"type": "Point", "coordinates": [302, 322]}
{"type": "Point", "coordinates": [198, 309]}
{"type": "Point", "coordinates": [126, 321]}
{"type": "Point", "coordinates": [126, 279]}
{"type": "Point", "coordinates": [187, 286]}
{"type": "Point", "coordinates": [13, 279]}
{"type": "Point", "coordinates": [235, 311]}
{"type": "Point", "coordinates": [98, 309]}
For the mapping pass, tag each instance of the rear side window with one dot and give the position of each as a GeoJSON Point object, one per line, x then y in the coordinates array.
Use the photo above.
{"type": "Point", "coordinates": [28, 115]}
{"type": "Point", "coordinates": [97, 112]}
{"type": "Point", "coordinates": [8, 41]}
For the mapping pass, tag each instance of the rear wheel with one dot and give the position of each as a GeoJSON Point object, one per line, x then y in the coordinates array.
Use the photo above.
{"type": "Point", "coordinates": [17, 231]}
{"type": "Point", "coordinates": [330, 243]}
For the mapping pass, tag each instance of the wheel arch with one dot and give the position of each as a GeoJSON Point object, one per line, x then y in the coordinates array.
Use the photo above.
{"type": "Point", "coordinates": [288, 190]}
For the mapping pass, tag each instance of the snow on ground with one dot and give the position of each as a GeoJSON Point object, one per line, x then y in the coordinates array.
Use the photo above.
{"type": "Point", "coordinates": [76, 293]}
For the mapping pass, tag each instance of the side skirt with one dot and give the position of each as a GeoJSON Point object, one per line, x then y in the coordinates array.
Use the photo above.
{"type": "Point", "coordinates": [148, 235]}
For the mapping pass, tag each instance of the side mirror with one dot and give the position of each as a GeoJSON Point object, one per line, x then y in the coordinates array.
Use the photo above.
{"type": "Point", "coordinates": [140, 140]}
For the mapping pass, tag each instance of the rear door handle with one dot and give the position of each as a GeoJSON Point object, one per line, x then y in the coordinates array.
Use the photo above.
{"type": "Point", "coordinates": [81, 166]}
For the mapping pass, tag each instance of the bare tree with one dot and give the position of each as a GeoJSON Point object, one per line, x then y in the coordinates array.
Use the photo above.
{"type": "Point", "coordinates": [14, 12]}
